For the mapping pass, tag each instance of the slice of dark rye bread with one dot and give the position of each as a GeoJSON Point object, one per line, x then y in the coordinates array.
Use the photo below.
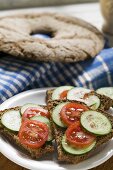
{"type": "Point", "coordinates": [59, 132]}
{"type": "Point", "coordinates": [14, 139]}
{"type": "Point", "coordinates": [105, 102]}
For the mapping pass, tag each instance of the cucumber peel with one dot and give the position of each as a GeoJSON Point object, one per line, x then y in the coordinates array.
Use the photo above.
{"type": "Point", "coordinates": [95, 122]}
{"type": "Point", "coordinates": [68, 148]}
{"type": "Point", "coordinates": [56, 115]}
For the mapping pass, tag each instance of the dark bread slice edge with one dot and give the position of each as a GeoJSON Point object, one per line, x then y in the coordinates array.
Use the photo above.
{"type": "Point", "coordinates": [49, 95]}
{"type": "Point", "coordinates": [63, 156]}
{"type": "Point", "coordinates": [105, 102]}
{"type": "Point", "coordinates": [14, 139]}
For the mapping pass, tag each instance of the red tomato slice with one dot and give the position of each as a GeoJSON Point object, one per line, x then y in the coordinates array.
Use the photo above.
{"type": "Point", "coordinates": [70, 113]}
{"type": "Point", "coordinates": [63, 95]}
{"type": "Point", "coordinates": [33, 133]}
{"type": "Point", "coordinates": [32, 111]}
{"type": "Point", "coordinates": [77, 137]}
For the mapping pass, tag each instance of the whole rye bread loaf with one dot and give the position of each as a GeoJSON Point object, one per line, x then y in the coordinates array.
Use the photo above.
{"type": "Point", "coordinates": [72, 39]}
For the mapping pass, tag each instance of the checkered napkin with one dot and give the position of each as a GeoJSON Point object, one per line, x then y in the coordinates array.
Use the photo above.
{"type": "Point", "coordinates": [17, 75]}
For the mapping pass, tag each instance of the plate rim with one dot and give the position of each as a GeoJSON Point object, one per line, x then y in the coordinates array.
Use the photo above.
{"type": "Point", "coordinates": [15, 160]}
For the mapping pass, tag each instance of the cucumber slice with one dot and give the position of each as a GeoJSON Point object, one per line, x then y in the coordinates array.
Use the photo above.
{"type": "Point", "coordinates": [41, 119]}
{"type": "Point", "coordinates": [68, 148]}
{"type": "Point", "coordinates": [28, 105]}
{"type": "Point", "coordinates": [56, 114]}
{"type": "Point", "coordinates": [77, 93]}
{"type": "Point", "coordinates": [107, 91]}
{"type": "Point", "coordinates": [11, 120]}
{"type": "Point", "coordinates": [46, 121]}
{"type": "Point", "coordinates": [59, 90]}
{"type": "Point", "coordinates": [95, 122]}
{"type": "Point", "coordinates": [93, 102]}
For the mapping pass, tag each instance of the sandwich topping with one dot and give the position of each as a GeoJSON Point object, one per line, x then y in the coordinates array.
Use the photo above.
{"type": "Point", "coordinates": [77, 94]}
{"type": "Point", "coordinates": [107, 91]}
{"type": "Point", "coordinates": [77, 137]}
{"type": "Point", "coordinates": [33, 133]}
{"type": "Point", "coordinates": [61, 92]}
{"type": "Point", "coordinates": [33, 111]}
{"type": "Point", "coordinates": [40, 128]}
{"type": "Point", "coordinates": [70, 112]}
{"type": "Point", "coordinates": [31, 123]}
{"type": "Point", "coordinates": [82, 124]}
{"type": "Point", "coordinates": [11, 119]}
{"type": "Point", "coordinates": [29, 110]}
{"type": "Point", "coordinates": [95, 122]}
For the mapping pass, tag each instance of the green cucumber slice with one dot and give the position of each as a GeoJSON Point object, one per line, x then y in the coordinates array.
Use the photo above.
{"type": "Point", "coordinates": [28, 105]}
{"type": "Point", "coordinates": [46, 121]}
{"type": "Point", "coordinates": [11, 120]}
{"type": "Point", "coordinates": [107, 91]}
{"type": "Point", "coordinates": [68, 148]}
{"type": "Point", "coordinates": [95, 122]}
{"type": "Point", "coordinates": [56, 114]}
{"type": "Point", "coordinates": [41, 119]}
{"type": "Point", "coordinates": [93, 102]}
{"type": "Point", "coordinates": [59, 90]}
{"type": "Point", "coordinates": [77, 93]}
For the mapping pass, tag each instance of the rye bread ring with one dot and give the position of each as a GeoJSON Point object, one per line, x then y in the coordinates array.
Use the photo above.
{"type": "Point", "coordinates": [72, 39]}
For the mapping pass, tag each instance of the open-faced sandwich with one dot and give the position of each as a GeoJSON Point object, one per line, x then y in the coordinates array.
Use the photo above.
{"type": "Point", "coordinates": [29, 127]}
{"type": "Point", "coordinates": [79, 121]}
{"type": "Point", "coordinates": [78, 129]}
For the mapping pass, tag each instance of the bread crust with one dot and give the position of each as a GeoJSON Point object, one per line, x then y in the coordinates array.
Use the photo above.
{"type": "Point", "coordinates": [13, 138]}
{"type": "Point", "coordinates": [59, 132]}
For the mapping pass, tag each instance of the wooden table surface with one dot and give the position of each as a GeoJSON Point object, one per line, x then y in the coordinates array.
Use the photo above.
{"type": "Point", "coordinates": [6, 164]}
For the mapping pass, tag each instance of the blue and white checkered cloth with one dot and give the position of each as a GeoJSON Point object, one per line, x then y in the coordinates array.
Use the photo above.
{"type": "Point", "coordinates": [17, 75]}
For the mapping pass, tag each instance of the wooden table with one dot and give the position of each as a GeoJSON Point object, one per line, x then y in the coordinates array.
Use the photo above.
{"type": "Point", "coordinates": [6, 164]}
{"type": "Point", "coordinates": [89, 12]}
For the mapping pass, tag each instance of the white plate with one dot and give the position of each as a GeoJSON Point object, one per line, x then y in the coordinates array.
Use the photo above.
{"type": "Point", "coordinates": [12, 153]}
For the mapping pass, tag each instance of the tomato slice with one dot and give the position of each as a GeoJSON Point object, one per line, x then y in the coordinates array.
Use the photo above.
{"type": "Point", "coordinates": [77, 137]}
{"type": "Point", "coordinates": [70, 113]}
{"type": "Point", "coordinates": [32, 111]}
{"type": "Point", "coordinates": [33, 133]}
{"type": "Point", "coordinates": [63, 95]}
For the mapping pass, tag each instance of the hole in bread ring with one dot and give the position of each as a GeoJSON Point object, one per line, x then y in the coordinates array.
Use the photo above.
{"type": "Point", "coordinates": [42, 35]}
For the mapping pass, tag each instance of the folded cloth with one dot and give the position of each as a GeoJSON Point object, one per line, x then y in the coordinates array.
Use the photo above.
{"type": "Point", "coordinates": [17, 75]}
